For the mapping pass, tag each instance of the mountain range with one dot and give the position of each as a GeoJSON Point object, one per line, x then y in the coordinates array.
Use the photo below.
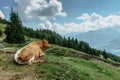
{"type": "Point", "coordinates": [105, 38]}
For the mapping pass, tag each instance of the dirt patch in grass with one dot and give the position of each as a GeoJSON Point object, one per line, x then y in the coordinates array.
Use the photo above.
{"type": "Point", "coordinates": [10, 70]}
{"type": "Point", "coordinates": [9, 75]}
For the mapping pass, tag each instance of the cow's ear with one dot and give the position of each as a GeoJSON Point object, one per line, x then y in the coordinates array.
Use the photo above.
{"type": "Point", "coordinates": [43, 40]}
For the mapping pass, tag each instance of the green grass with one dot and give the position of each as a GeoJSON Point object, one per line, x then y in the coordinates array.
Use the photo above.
{"type": "Point", "coordinates": [3, 26]}
{"type": "Point", "coordinates": [67, 68]}
{"type": "Point", "coordinates": [61, 64]}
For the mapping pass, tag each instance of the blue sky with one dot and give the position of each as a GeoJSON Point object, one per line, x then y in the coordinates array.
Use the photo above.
{"type": "Point", "coordinates": [65, 16]}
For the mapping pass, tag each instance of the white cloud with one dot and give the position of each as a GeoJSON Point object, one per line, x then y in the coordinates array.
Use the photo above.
{"type": "Point", "coordinates": [96, 21]}
{"type": "Point", "coordinates": [2, 16]}
{"type": "Point", "coordinates": [63, 29]}
{"type": "Point", "coordinates": [46, 25]}
{"type": "Point", "coordinates": [31, 9]}
{"type": "Point", "coordinates": [89, 22]}
{"type": "Point", "coordinates": [87, 17]}
{"type": "Point", "coordinates": [54, 27]}
{"type": "Point", "coordinates": [6, 7]}
{"type": "Point", "coordinates": [84, 17]}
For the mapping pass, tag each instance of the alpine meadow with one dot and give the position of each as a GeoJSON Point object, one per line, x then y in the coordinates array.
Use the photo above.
{"type": "Point", "coordinates": [59, 40]}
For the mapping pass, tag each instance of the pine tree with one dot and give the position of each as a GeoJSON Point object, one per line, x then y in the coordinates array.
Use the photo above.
{"type": "Point", "coordinates": [64, 42]}
{"type": "Point", "coordinates": [68, 42]}
{"type": "Point", "coordinates": [104, 54]}
{"type": "Point", "coordinates": [0, 32]}
{"type": "Point", "coordinates": [14, 31]}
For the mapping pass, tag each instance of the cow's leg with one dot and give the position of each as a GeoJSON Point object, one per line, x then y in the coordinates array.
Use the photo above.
{"type": "Point", "coordinates": [31, 60]}
{"type": "Point", "coordinates": [38, 60]}
{"type": "Point", "coordinates": [35, 61]}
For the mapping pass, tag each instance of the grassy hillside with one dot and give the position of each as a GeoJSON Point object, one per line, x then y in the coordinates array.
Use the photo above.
{"type": "Point", "coordinates": [61, 64]}
{"type": "Point", "coordinates": [2, 29]}
{"type": "Point", "coordinates": [3, 26]}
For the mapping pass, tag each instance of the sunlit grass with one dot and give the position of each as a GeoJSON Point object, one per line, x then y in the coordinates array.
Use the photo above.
{"type": "Point", "coordinates": [61, 64]}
